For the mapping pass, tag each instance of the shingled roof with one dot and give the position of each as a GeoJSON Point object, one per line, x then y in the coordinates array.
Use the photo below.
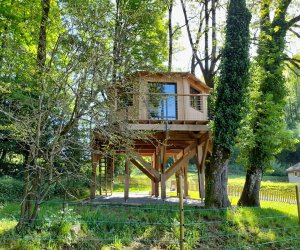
{"type": "Point", "coordinates": [296, 167]}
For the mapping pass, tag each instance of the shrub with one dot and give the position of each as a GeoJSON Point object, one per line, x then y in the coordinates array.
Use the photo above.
{"type": "Point", "coordinates": [10, 187]}
{"type": "Point", "coordinates": [76, 186]}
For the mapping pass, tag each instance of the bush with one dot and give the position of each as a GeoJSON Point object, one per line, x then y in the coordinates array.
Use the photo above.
{"type": "Point", "coordinates": [277, 169]}
{"type": "Point", "coordinates": [10, 187]}
{"type": "Point", "coordinates": [76, 186]}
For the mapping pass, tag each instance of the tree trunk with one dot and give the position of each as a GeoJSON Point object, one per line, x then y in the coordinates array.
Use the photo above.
{"type": "Point", "coordinates": [41, 53]}
{"type": "Point", "coordinates": [33, 173]}
{"type": "Point", "coordinates": [216, 179]}
{"type": "Point", "coordinates": [170, 37]}
{"type": "Point", "coordinates": [250, 194]}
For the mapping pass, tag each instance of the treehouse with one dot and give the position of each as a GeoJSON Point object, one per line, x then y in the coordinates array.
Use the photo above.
{"type": "Point", "coordinates": [171, 108]}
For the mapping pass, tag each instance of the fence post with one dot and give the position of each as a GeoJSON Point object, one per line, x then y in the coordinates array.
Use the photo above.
{"type": "Point", "coordinates": [298, 202]}
{"type": "Point", "coordinates": [181, 213]}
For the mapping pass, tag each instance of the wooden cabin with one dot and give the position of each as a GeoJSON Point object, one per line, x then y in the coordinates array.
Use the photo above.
{"type": "Point", "coordinates": [294, 173]}
{"type": "Point", "coordinates": [173, 107]}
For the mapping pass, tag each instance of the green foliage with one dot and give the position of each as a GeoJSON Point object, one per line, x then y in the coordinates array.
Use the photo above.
{"type": "Point", "coordinates": [269, 133]}
{"type": "Point", "coordinates": [264, 133]}
{"type": "Point", "coordinates": [10, 187]}
{"type": "Point", "coordinates": [278, 169]}
{"type": "Point", "coordinates": [234, 75]}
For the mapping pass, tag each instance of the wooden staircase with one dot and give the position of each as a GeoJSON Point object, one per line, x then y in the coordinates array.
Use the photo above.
{"type": "Point", "coordinates": [106, 174]}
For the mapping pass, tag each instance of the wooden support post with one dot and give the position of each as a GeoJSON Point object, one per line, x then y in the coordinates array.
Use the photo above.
{"type": "Point", "coordinates": [163, 187]}
{"type": "Point", "coordinates": [163, 160]}
{"type": "Point", "coordinates": [181, 213]}
{"type": "Point", "coordinates": [95, 160]}
{"type": "Point", "coordinates": [298, 202]}
{"type": "Point", "coordinates": [201, 157]}
{"type": "Point", "coordinates": [200, 177]}
{"type": "Point", "coordinates": [126, 180]}
{"type": "Point", "coordinates": [185, 180]}
{"type": "Point", "coordinates": [100, 175]}
{"type": "Point", "coordinates": [153, 182]}
{"type": "Point", "coordinates": [112, 170]}
{"type": "Point", "coordinates": [157, 166]}
{"type": "Point", "coordinates": [177, 183]}
{"type": "Point", "coordinates": [177, 157]}
{"type": "Point", "coordinates": [106, 164]}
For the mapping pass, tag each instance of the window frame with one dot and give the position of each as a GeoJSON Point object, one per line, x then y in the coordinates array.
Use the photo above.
{"type": "Point", "coordinates": [196, 102]}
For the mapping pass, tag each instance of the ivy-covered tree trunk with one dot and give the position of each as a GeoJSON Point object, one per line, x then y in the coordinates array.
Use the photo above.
{"type": "Point", "coordinates": [267, 124]}
{"type": "Point", "coordinates": [217, 178]}
{"type": "Point", "coordinates": [231, 90]}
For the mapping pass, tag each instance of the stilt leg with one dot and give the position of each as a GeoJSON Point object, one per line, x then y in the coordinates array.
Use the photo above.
{"type": "Point", "coordinates": [186, 183]}
{"type": "Point", "coordinates": [95, 160]}
{"type": "Point", "coordinates": [126, 180]}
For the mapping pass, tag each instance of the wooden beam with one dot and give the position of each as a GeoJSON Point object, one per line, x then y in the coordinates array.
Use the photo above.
{"type": "Point", "coordinates": [146, 165]}
{"type": "Point", "coordinates": [204, 155]}
{"type": "Point", "coordinates": [178, 164]}
{"type": "Point", "coordinates": [144, 170]}
{"type": "Point", "coordinates": [171, 127]}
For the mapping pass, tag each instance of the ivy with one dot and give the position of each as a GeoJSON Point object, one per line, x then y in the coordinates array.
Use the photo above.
{"type": "Point", "coordinates": [234, 76]}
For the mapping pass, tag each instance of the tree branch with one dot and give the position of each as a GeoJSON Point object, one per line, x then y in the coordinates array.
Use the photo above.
{"type": "Point", "coordinates": [293, 21]}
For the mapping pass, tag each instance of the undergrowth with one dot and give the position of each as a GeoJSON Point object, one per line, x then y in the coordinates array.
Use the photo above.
{"type": "Point", "coordinates": [145, 227]}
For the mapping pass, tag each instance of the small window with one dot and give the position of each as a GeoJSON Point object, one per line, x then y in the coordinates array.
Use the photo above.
{"type": "Point", "coordinates": [196, 101]}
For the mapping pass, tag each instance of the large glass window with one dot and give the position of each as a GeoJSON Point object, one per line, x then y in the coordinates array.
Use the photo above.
{"type": "Point", "coordinates": [162, 101]}
{"type": "Point", "coordinates": [196, 101]}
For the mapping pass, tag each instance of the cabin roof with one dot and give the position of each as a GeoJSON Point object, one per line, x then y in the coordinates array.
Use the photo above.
{"type": "Point", "coordinates": [296, 167]}
{"type": "Point", "coordinates": [187, 75]}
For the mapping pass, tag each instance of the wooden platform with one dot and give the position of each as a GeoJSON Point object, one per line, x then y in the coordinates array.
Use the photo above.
{"type": "Point", "coordinates": [179, 140]}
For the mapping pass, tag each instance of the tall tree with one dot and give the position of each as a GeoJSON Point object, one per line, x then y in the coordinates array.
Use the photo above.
{"type": "Point", "coordinates": [139, 40]}
{"type": "Point", "coordinates": [205, 57]}
{"type": "Point", "coordinates": [171, 34]}
{"type": "Point", "coordinates": [267, 128]}
{"type": "Point", "coordinates": [58, 62]}
{"type": "Point", "coordinates": [230, 98]}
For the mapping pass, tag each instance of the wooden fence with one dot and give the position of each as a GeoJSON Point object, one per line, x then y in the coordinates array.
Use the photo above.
{"type": "Point", "coordinates": [236, 191]}
{"type": "Point", "coordinates": [266, 195]}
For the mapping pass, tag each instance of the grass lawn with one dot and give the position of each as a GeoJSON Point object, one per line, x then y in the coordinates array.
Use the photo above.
{"type": "Point", "coordinates": [273, 226]}
{"type": "Point", "coordinates": [153, 227]}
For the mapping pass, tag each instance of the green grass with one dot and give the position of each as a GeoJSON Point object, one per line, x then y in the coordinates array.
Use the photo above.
{"type": "Point", "coordinates": [238, 227]}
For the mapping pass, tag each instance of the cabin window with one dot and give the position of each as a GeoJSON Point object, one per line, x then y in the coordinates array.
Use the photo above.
{"type": "Point", "coordinates": [195, 101]}
{"type": "Point", "coordinates": [162, 101]}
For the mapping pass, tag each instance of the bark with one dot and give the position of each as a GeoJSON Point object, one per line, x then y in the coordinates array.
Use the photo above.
{"type": "Point", "coordinates": [206, 46]}
{"type": "Point", "coordinates": [170, 36]}
{"type": "Point", "coordinates": [216, 176]}
{"type": "Point", "coordinates": [250, 194]}
{"type": "Point", "coordinates": [41, 53]}
{"type": "Point", "coordinates": [116, 46]}
{"type": "Point", "coordinates": [33, 172]}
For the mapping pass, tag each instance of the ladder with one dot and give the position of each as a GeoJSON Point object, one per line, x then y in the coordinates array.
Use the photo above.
{"type": "Point", "coordinates": [106, 173]}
